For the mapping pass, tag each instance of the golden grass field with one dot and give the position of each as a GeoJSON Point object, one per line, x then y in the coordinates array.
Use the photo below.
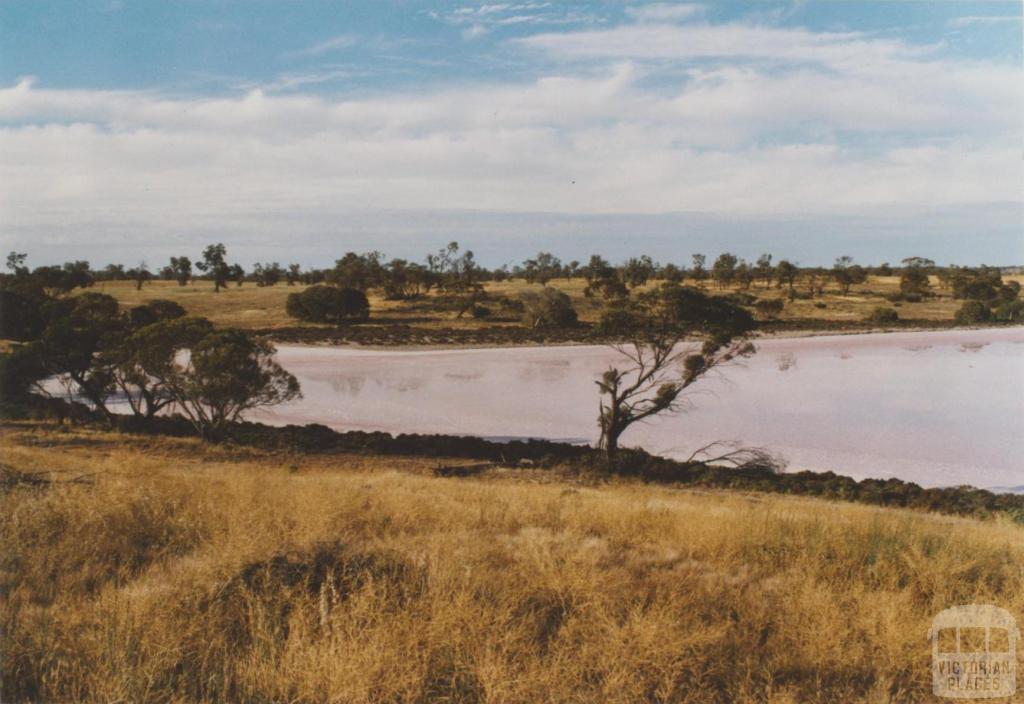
{"type": "Point", "coordinates": [253, 307]}
{"type": "Point", "coordinates": [178, 572]}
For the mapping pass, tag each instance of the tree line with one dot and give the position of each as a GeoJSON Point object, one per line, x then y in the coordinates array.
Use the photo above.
{"type": "Point", "coordinates": [153, 358]}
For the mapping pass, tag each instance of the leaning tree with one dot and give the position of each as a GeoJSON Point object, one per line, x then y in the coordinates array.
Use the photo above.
{"type": "Point", "coordinates": [673, 337]}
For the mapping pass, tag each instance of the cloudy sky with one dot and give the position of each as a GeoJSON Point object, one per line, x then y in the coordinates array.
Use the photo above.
{"type": "Point", "coordinates": [295, 131]}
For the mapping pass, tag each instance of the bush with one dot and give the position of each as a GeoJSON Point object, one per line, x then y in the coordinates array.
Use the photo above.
{"type": "Point", "coordinates": [548, 308]}
{"type": "Point", "coordinates": [769, 308]}
{"type": "Point", "coordinates": [973, 312]}
{"type": "Point", "coordinates": [741, 299]}
{"type": "Point", "coordinates": [154, 312]}
{"type": "Point", "coordinates": [1010, 312]}
{"type": "Point", "coordinates": [328, 304]}
{"type": "Point", "coordinates": [881, 314]}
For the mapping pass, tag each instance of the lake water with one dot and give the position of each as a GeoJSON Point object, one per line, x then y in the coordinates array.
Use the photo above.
{"type": "Point", "coordinates": [936, 408]}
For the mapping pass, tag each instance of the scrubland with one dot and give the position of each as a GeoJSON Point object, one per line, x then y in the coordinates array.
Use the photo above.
{"type": "Point", "coordinates": [253, 307]}
{"type": "Point", "coordinates": [158, 569]}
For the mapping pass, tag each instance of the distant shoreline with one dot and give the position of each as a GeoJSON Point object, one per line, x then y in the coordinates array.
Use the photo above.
{"type": "Point", "coordinates": [387, 338]}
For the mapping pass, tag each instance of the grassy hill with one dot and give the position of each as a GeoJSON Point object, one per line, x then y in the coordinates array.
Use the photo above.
{"type": "Point", "coordinates": [138, 568]}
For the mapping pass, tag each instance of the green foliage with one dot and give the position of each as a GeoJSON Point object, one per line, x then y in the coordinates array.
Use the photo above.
{"type": "Point", "coordinates": [153, 312]}
{"type": "Point", "coordinates": [1009, 312]}
{"type": "Point", "coordinates": [786, 273]}
{"type": "Point", "coordinates": [357, 271]}
{"type": "Point", "coordinates": [658, 370]}
{"type": "Point", "coordinates": [972, 312]}
{"type": "Point", "coordinates": [914, 280]}
{"type": "Point", "coordinates": [215, 265]}
{"type": "Point", "coordinates": [548, 308]}
{"type": "Point", "coordinates": [20, 369]}
{"type": "Point", "coordinates": [227, 373]}
{"type": "Point", "coordinates": [21, 316]}
{"type": "Point", "coordinates": [883, 315]}
{"type": "Point", "coordinates": [724, 269]}
{"type": "Point", "coordinates": [328, 304]}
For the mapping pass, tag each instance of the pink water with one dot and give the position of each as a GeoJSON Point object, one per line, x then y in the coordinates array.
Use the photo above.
{"type": "Point", "coordinates": [937, 408]}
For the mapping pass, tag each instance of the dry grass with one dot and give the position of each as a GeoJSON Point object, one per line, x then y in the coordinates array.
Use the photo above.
{"type": "Point", "coordinates": [187, 573]}
{"type": "Point", "coordinates": [253, 307]}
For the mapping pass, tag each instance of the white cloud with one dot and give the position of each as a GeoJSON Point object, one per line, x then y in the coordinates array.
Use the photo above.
{"type": "Point", "coordinates": [342, 41]}
{"type": "Point", "coordinates": [985, 20]}
{"type": "Point", "coordinates": [664, 12]}
{"type": "Point", "coordinates": [781, 122]}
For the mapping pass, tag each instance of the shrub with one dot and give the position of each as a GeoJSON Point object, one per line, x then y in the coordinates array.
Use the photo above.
{"type": "Point", "coordinates": [328, 304]}
{"type": "Point", "coordinates": [548, 308]}
{"type": "Point", "coordinates": [881, 314]}
{"type": "Point", "coordinates": [973, 312]}
{"type": "Point", "coordinates": [154, 312]}
{"type": "Point", "coordinates": [741, 299]}
{"type": "Point", "coordinates": [769, 308]}
{"type": "Point", "coordinates": [1009, 312]}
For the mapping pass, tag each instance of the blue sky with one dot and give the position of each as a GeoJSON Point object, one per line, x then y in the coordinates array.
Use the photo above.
{"type": "Point", "coordinates": [299, 130]}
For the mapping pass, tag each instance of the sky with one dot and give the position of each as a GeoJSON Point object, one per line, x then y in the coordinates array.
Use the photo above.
{"type": "Point", "coordinates": [296, 131]}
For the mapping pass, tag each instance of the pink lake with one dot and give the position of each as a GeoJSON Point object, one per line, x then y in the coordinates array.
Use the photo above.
{"type": "Point", "coordinates": [936, 408]}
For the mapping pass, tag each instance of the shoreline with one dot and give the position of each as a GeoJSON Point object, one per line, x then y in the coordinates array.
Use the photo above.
{"type": "Point", "coordinates": [329, 342]}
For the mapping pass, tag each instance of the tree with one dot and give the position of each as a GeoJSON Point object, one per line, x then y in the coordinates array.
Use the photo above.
{"type": "Point", "coordinates": [637, 271]}
{"type": "Point", "coordinates": [140, 275]}
{"type": "Point", "coordinates": [785, 273]}
{"type": "Point", "coordinates": [602, 279]}
{"type": "Point", "coordinates": [114, 272]}
{"type": "Point", "coordinates": [181, 268]}
{"type": "Point", "coordinates": [21, 315]}
{"type": "Point", "coordinates": [357, 271]}
{"type": "Point", "coordinates": [973, 312]}
{"type": "Point", "coordinates": [724, 269]}
{"type": "Point", "coordinates": [698, 272]}
{"type": "Point", "coordinates": [548, 308]}
{"type": "Point", "coordinates": [328, 304]}
{"type": "Point", "coordinates": [542, 268]}
{"type": "Point", "coordinates": [76, 345]}
{"type": "Point", "coordinates": [237, 274]}
{"type": "Point", "coordinates": [267, 274]}
{"type": "Point", "coordinates": [659, 366]}
{"type": "Point", "coordinates": [744, 275]}
{"type": "Point", "coordinates": [763, 269]}
{"type": "Point", "coordinates": [225, 374]}
{"type": "Point", "coordinates": [914, 281]}
{"type": "Point", "coordinates": [16, 263]}
{"type": "Point", "coordinates": [55, 281]}
{"type": "Point", "coordinates": [214, 264]}
{"type": "Point", "coordinates": [814, 279]}
{"type": "Point", "coordinates": [918, 263]}
{"type": "Point", "coordinates": [294, 274]}
{"type": "Point", "coordinates": [841, 273]}
{"type": "Point", "coordinates": [671, 273]}
{"type": "Point", "coordinates": [146, 364]}
{"type": "Point", "coordinates": [846, 274]}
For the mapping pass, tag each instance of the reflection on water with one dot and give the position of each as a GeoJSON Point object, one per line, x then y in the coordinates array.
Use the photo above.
{"type": "Point", "coordinates": [937, 408]}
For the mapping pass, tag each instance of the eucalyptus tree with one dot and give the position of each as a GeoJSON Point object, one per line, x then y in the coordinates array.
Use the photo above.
{"type": "Point", "coordinates": [674, 337]}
